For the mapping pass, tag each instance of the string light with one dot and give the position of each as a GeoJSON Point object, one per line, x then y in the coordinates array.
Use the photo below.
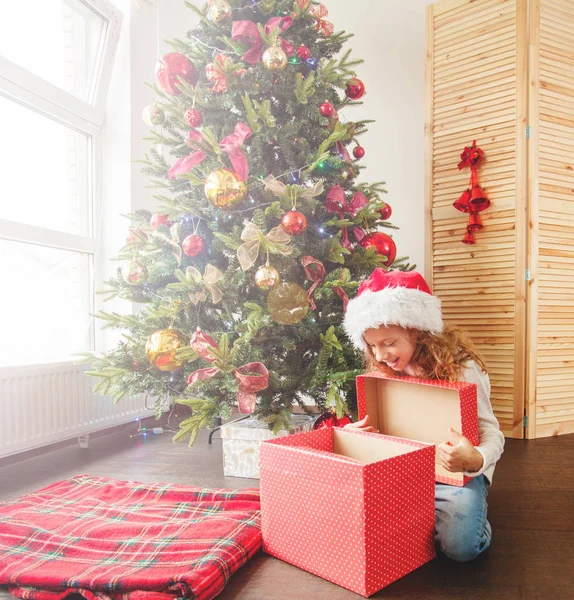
{"type": "Point", "coordinates": [144, 431]}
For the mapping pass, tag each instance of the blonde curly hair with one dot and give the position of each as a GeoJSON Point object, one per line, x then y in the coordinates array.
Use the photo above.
{"type": "Point", "coordinates": [437, 356]}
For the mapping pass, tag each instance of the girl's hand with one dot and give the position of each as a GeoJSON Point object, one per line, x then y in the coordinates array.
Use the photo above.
{"type": "Point", "coordinates": [459, 455]}
{"type": "Point", "coordinates": [362, 425]}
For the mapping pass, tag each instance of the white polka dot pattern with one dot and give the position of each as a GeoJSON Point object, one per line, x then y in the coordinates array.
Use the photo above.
{"type": "Point", "coordinates": [361, 526]}
{"type": "Point", "coordinates": [468, 409]}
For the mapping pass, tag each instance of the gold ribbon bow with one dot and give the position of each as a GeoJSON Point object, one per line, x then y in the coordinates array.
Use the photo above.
{"type": "Point", "coordinates": [210, 277]}
{"type": "Point", "coordinates": [292, 192]}
{"type": "Point", "coordinates": [275, 242]}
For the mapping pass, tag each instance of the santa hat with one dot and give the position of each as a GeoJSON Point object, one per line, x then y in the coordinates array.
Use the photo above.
{"type": "Point", "coordinates": [392, 298]}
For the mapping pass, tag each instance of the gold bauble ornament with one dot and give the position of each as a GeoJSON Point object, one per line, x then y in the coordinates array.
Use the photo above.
{"type": "Point", "coordinates": [224, 188]}
{"type": "Point", "coordinates": [267, 277]}
{"type": "Point", "coordinates": [218, 11]}
{"type": "Point", "coordinates": [134, 272]}
{"type": "Point", "coordinates": [160, 349]}
{"type": "Point", "coordinates": [274, 59]}
{"type": "Point", "coordinates": [153, 115]}
{"type": "Point", "coordinates": [288, 303]}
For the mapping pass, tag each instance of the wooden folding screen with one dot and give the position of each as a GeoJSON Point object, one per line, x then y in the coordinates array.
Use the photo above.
{"type": "Point", "coordinates": [514, 289]}
{"type": "Point", "coordinates": [550, 325]}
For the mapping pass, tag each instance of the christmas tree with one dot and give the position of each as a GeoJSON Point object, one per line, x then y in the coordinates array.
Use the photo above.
{"type": "Point", "coordinates": [262, 230]}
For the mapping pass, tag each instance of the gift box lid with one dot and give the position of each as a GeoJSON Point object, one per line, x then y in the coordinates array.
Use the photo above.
{"type": "Point", "coordinates": [255, 429]}
{"type": "Point", "coordinates": [420, 409]}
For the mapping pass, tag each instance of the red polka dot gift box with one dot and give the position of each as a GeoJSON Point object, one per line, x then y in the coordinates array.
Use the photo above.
{"type": "Point", "coordinates": [420, 409]}
{"type": "Point", "coordinates": [354, 508]}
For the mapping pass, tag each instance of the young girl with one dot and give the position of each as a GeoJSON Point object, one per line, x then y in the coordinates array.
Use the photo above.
{"type": "Point", "coordinates": [397, 322]}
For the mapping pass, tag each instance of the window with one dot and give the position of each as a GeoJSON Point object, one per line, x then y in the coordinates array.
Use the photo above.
{"type": "Point", "coordinates": [54, 75]}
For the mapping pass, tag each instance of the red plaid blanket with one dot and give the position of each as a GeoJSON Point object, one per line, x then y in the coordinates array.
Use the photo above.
{"type": "Point", "coordinates": [121, 540]}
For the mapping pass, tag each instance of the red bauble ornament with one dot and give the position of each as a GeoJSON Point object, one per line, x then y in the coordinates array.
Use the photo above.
{"type": "Point", "coordinates": [327, 109]}
{"type": "Point", "coordinates": [386, 212]}
{"type": "Point", "coordinates": [382, 243]}
{"type": "Point", "coordinates": [303, 52]}
{"type": "Point", "coordinates": [294, 222]}
{"type": "Point", "coordinates": [193, 245]}
{"type": "Point", "coordinates": [358, 152]}
{"type": "Point", "coordinates": [157, 220]}
{"type": "Point", "coordinates": [171, 66]}
{"type": "Point", "coordinates": [193, 117]}
{"type": "Point", "coordinates": [330, 419]}
{"type": "Point", "coordinates": [355, 89]}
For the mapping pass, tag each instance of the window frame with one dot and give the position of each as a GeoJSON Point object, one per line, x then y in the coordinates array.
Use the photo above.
{"type": "Point", "coordinates": [87, 117]}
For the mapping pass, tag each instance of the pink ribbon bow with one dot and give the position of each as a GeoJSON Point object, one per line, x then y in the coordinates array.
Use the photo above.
{"type": "Point", "coordinates": [344, 155]}
{"type": "Point", "coordinates": [315, 271]}
{"type": "Point", "coordinates": [336, 202]}
{"type": "Point", "coordinates": [341, 293]}
{"type": "Point", "coordinates": [319, 11]}
{"type": "Point", "coordinates": [247, 31]}
{"type": "Point", "coordinates": [230, 144]}
{"type": "Point", "coordinates": [217, 74]}
{"type": "Point", "coordinates": [253, 377]}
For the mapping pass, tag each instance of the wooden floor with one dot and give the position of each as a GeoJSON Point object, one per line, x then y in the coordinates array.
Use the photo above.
{"type": "Point", "coordinates": [531, 508]}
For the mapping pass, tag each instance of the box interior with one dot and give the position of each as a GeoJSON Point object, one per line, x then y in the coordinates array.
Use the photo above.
{"type": "Point", "coordinates": [366, 449]}
{"type": "Point", "coordinates": [413, 411]}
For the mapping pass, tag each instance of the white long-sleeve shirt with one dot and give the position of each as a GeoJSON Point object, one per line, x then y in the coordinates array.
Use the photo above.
{"type": "Point", "coordinates": [490, 438]}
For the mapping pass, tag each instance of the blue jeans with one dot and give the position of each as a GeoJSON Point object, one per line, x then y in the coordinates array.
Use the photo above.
{"type": "Point", "coordinates": [461, 529]}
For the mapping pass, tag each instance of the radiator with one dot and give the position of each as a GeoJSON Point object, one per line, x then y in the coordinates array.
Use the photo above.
{"type": "Point", "coordinates": [44, 404]}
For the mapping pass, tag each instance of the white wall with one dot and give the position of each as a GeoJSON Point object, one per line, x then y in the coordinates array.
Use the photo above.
{"type": "Point", "coordinates": [390, 37]}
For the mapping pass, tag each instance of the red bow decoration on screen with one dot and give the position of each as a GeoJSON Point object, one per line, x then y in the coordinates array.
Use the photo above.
{"type": "Point", "coordinates": [253, 377]}
{"type": "Point", "coordinates": [230, 144]}
{"type": "Point", "coordinates": [470, 156]}
{"type": "Point", "coordinates": [473, 200]}
{"type": "Point", "coordinates": [336, 202]}
{"type": "Point", "coordinates": [248, 32]}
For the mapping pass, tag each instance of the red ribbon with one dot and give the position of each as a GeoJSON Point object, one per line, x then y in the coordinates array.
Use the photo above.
{"type": "Point", "coordinates": [247, 31]}
{"type": "Point", "coordinates": [470, 157]}
{"type": "Point", "coordinates": [341, 293]}
{"type": "Point", "coordinates": [342, 152]}
{"type": "Point", "coordinates": [344, 155]}
{"type": "Point", "coordinates": [202, 343]}
{"type": "Point", "coordinates": [319, 11]}
{"type": "Point", "coordinates": [336, 202]}
{"type": "Point", "coordinates": [216, 73]}
{"type": "Point", "coordinates": [315, 271]}
{"type": "Point", "coordinates": [253, 377]}
{"type": "Point", "coordinates": [230, 144]}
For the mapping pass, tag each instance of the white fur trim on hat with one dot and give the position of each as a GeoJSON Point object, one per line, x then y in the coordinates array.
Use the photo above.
{"type": "Point", "coordinates": [405, 307]}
